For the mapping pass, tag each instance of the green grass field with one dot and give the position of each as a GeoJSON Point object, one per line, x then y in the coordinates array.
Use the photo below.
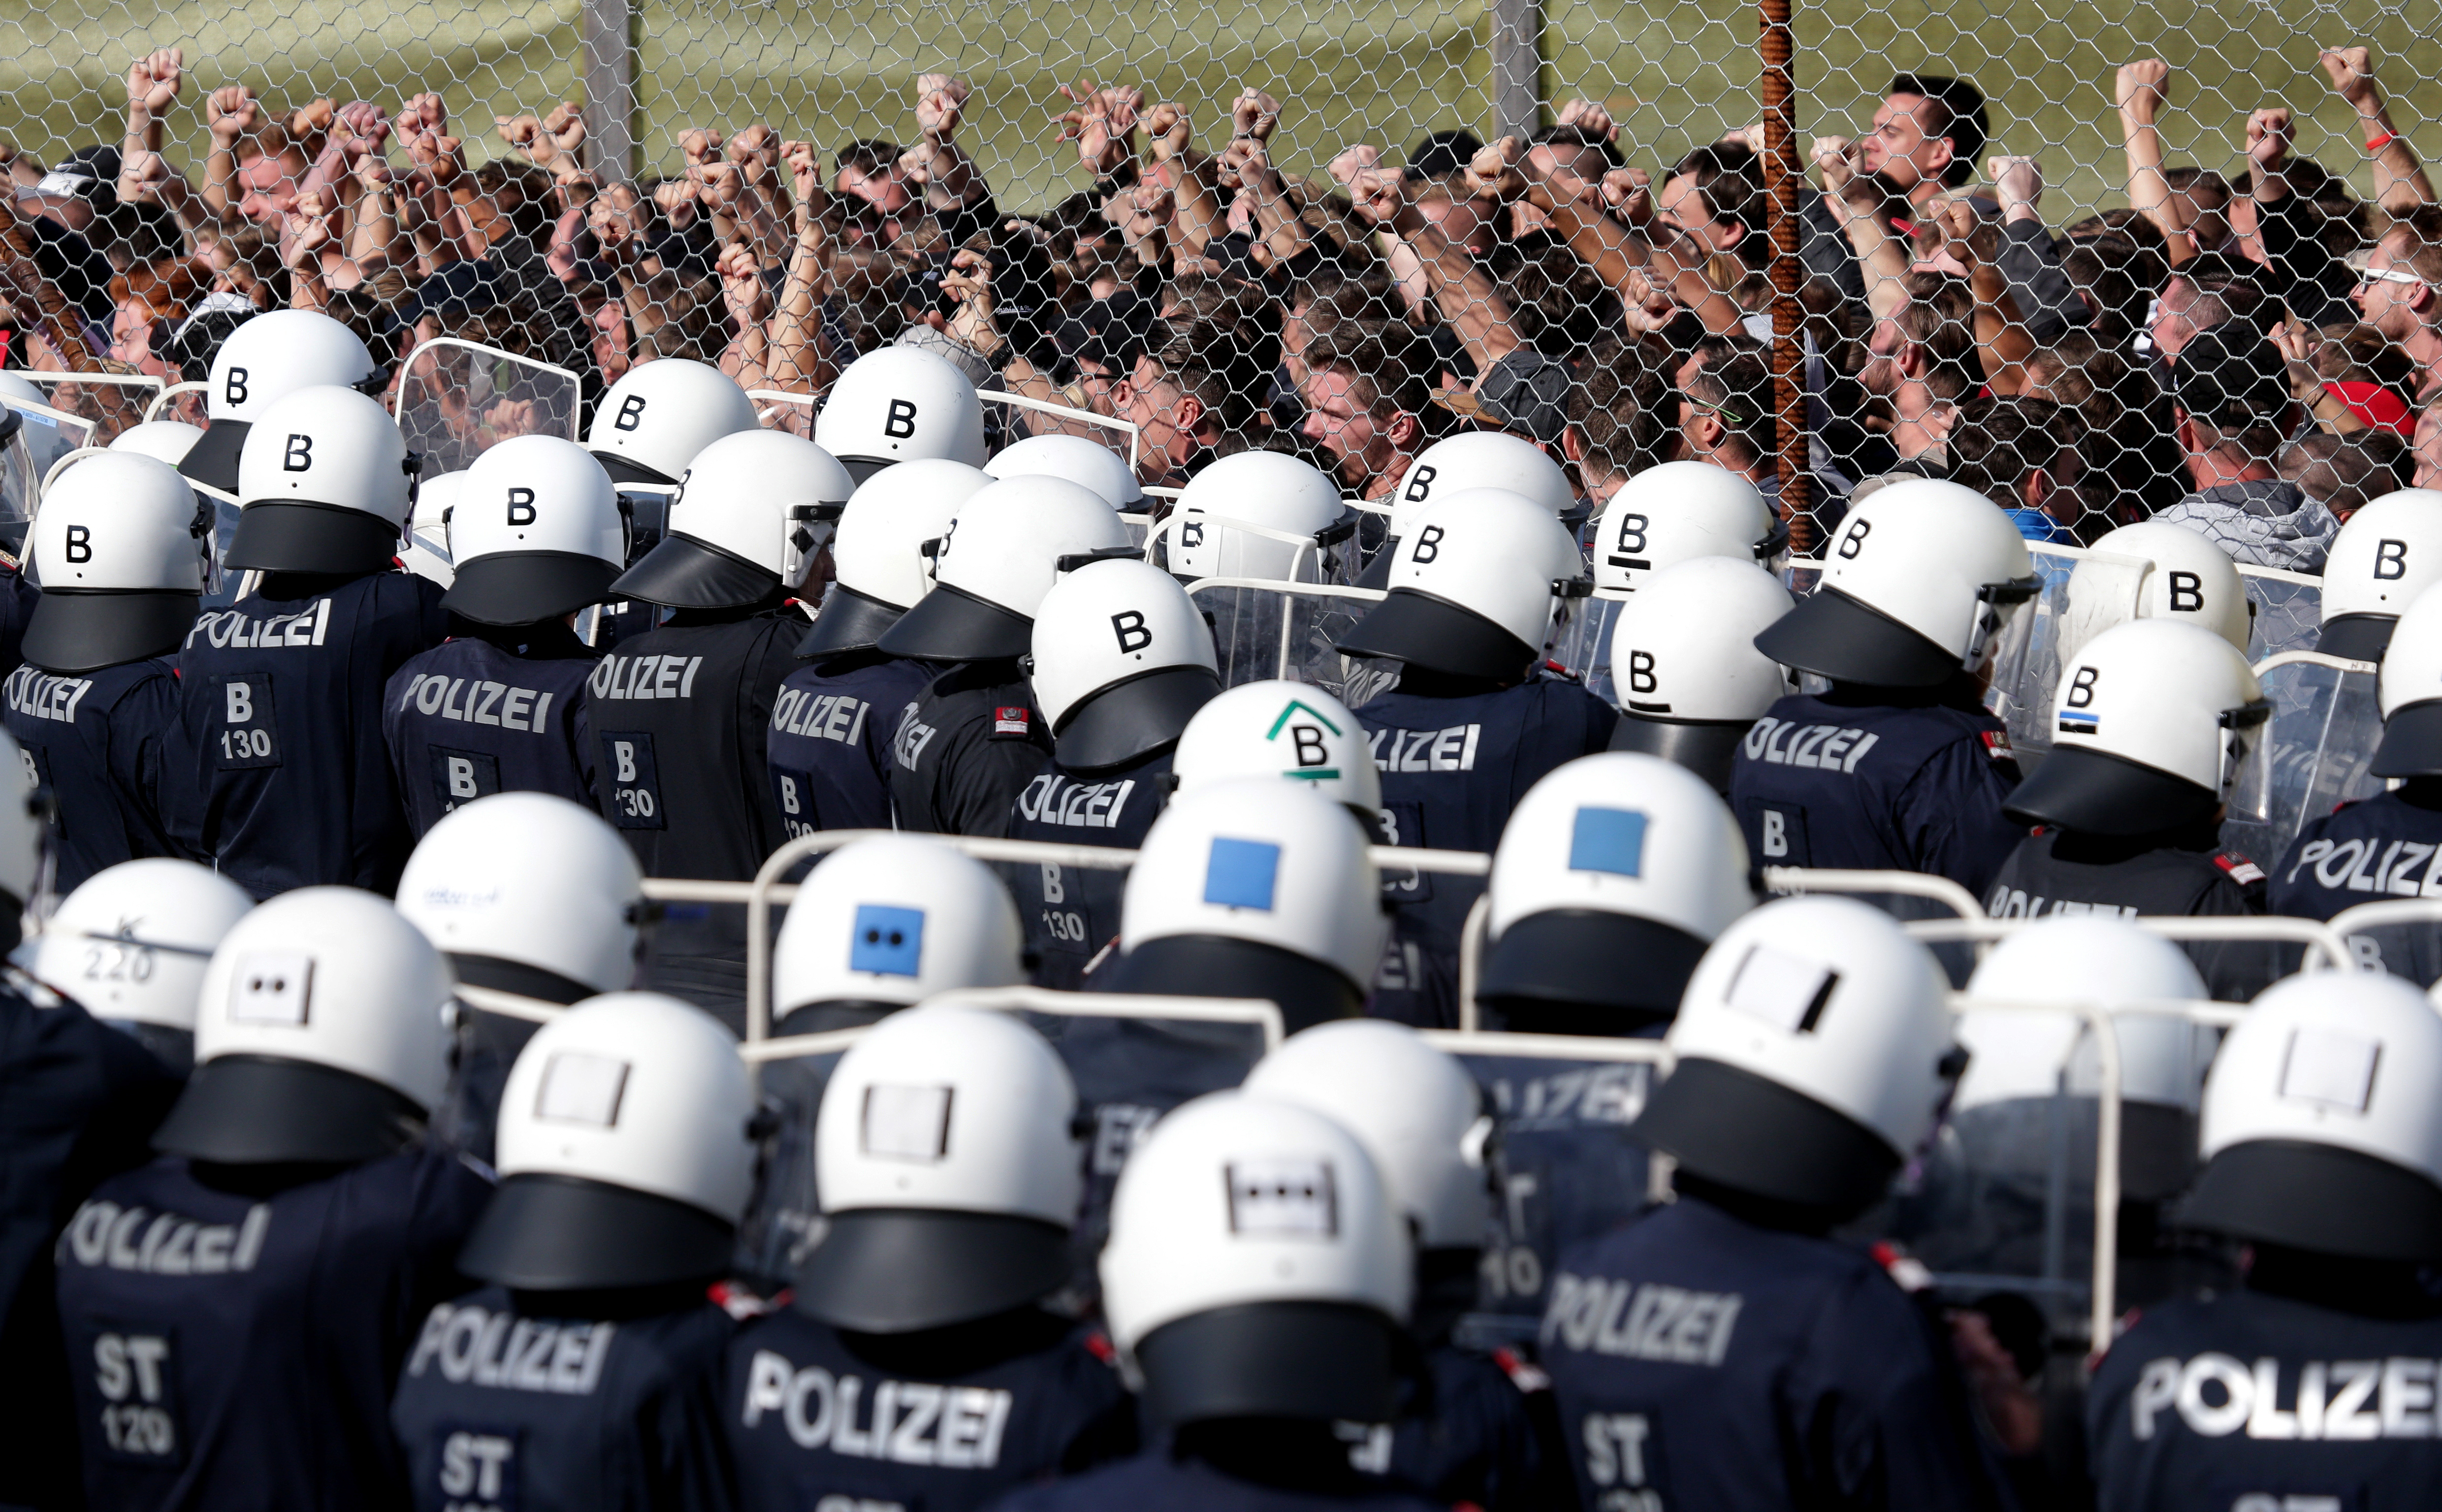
{"type": "Point", "coordinates": [1675, 73]}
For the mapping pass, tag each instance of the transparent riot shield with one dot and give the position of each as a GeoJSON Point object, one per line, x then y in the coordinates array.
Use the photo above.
{"type": "Point", "coordinates": [1579, 644]}
{"type": "Point", "coordinates": [38, 439]}
{"type": "Point", "coordinates": [2325, 725]}
{"type": "Point", "coordinates": [1275, 629]}
{"type": "Point", "coordinates": [490, 1028]}
{"type": "Point", "coordinates": [457, 399]}
{"type": "Point", "coordinates": [2084, 593]}
{"type": "Point", "coordinates": [783, 1219]}
{"type": "Point", "coordinates": [1562, 1166]}
{"type": "Point", "coordinates": [779, 409]}
{"type": "Point", "coordinates": [1202, 544]}
{"type": "Point", "coordinates": [2400, 934]}
{"type": "Point", "coordinates": [2284, 609]}
{"type": "Point", "coordinates": [109, 403]}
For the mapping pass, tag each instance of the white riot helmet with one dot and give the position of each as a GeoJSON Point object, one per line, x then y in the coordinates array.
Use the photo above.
{"type": "Point", "coordinates": [1612, 857]}
{"type": "Point", "coordinates": [1256, 1266]}
{"type": "Point", "coordinates": [528, 893]}
{"type": "Point", "coordinates": [897, 403]}
{"type": "Point", "coordinates": [1415, 1108]}
{"type": "Point", "coordinates": [1472, 586]}
{"type": "Point", "coordinates": [1480, 459]}
{"type": "Point", "coordinates": [947, 1155]}
{"type": "Point", "coordinates": [2320, 1129]}
{"type": "Point", "coordinates": [752, 513]}
{"type": "Point", "coordinates": [622, 1152]}
{"type": "Point", "coordinates": [2188, 579]}
{"type": "Point", "coordinates": [2154, 723]}
{"type": "Point", "coordinates": [1921, 581]}
{"type": "Point", "coordinates": [1677, 512]}
{"type": "Point", "coordinates": [167, 440]}
{"type": "Point", "coordinates": [1253, 888]}
{"type": "Point", "coordinates": [883, 551]}
{"type": "Point", "coordinates": [1269, 490]}
{"type": "Point", "coordinates": [130, 945]}
{"type": "Point", "coordinates": [1008, 545]}
{"type": "Point", "coordinates": [1281, 730]}
{"type": "Point", "coordinates": [1685, 667]}
{"type": "Point", "coordinates": [22, 837]}
{"type": "Point", "coordinates": [2096, 961]}
{"type": "Point", "coordinates": [266, 359]}
{"type": "Point", "coordinates": [120, 547]}
{"type": "Point", "coordinates": [649, 426]}
{"type": "Point", "coordinates": [2389, 551]}
{"type": "Point", "coordinates": [326, 486]}
{"type": "Point", "coordinates": [2409, 690]}
{"type": "Point", "coordinates": [427, 552]}
{"type": "Point", "coordinates": [320, 1035]}
{"type": "Point", "coordinates": [1087, 464]}
{"type": "Point", "coordinates": [1121, 661]}
{"type": "Point", "coordinates": [1813, 1052]}
{"type": "Point", "coordinates": [534, 532]}
{"type": "Point", "coordinates": [883, 923]}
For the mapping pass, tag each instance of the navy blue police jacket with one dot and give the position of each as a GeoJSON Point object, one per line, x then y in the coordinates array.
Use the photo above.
{"type": "Point", "coordinates": [78, 1102]}
{"type": "Point", "coordinates": [2247, 1400]}
{"type": "Point", "coordinates": [1701, 1361]}
{"type": "Point", "coordinates": [829, 753]}
{"type": "Point", "coordinates": [1159, 1478]}
{"type": "Point", "coordinates": [509, 1401]}
{"type": "Point", "coordinates": [2054, 871]}
{"type": "Point", "coordinates": [95, 741]}
{"type": "Point", "coordinates": [2365, 852]}
{"type": "Point", "coordinates": [944, 1421]}
{"type": "Point", "coordinates": [17, 600]}
{"type": "Point", "coordinates": [490, 711]}
{"type": "Point", "coordinates": [276, 772]}
{"type": "Point", "coordinates": [1470, 1439]}
{"type": "Point", "coordinates": [237, 1351]}
{"type": "Point", "coordinates": [1453, 770]}
{"type": "Point", "coordinates": [680, 719]}
{"type": "Point", "coordinates": [1071, 914]}
{"type": "Point", "coordinates": [1827, 782]}
{"type": "Point", "coordinates": [963, 750]}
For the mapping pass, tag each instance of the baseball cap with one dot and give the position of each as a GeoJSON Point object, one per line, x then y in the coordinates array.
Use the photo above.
{"type": "Point", "coordinates": [1524, 391]}
{"type": "Point", "coordinates": [89, 174]}
{"type": "Point", "coordinates": [2379, 406]}
{"type": "Point", "coordinates": [2231, 375]}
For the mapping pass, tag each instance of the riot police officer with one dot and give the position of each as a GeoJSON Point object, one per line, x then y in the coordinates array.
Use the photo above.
{"type": "Point", "coordinates": [917, 1363]}
{"type": "Point", "coordinates": [129, 947]}
{"type": "Point", "coordinates": [586, 1374]}
{"type": "Point", "coordinates": [531, 896]}
{"type": "Point", "coordinates": [1470, 724]}
{"type": "Point", "coordinates": [1471, 1437]}
{"type": "Point", "coordinates": [1612, 858]}
{"type": "Point", "coordinates": [1679, 512]}
{"type": "Point", "coordinates": [83, 1102]}
{"type": "Point", "coordinates": [1812, 1051]}
{"type": "Point", "coordinates": [2156, 720]}
{"type": "Point", "coordinates": [680, 716]}
{"type": "Point", "coordinates": [1258, 1280]}
{"type": "Point", "coordinates": [1465, 462]}
{"type": "Point", "coordinates": [2306, 1385]}
{"type": "Point", "coordinates": [123, 547]}
{"type": "Point", "coordinates": [830, 748]}
{"type": "Point", "coordinates": [883, 923]}
{"type": "Point", "coordinates": [1897, 766]}
{"type": "Point", "coordinates": [264, 360]}
{"type": "Point", "coordinates": [277, 773]}
{"type": "Point", "coordinates": [1252, 887]}
{"type": "Point", "coordinates": [1206, 536]}
{"type": "Point", "coordinates": [535, 536]}
{"type": "Point", "coordinates": [660, 415]}
{"type": "Point", "coordinates": [964, 750]}
{"type": "Point", "coordinates": [2389, 551]}
{"type": "Point", "coordinates": [1292, 732]}
{"type": "Point", "coordinates": [1684, 665]}
{"type": "Point", "coordinates": [899, 404]}
{"type": "Point", "coordinates": [1121, 661]}
{"type": "Point", "coordinates": [235, 1311]}
{"type": "Point", "coordinates": [1087, 464]}
{"type": "Point", "coordinates": [2388, 846]}
{"type": "Point", "coordinates": [2187, 578]}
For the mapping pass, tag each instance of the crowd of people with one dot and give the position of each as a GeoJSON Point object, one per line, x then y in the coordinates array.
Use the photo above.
{"type": "Point", "coordinates": [1202, 655]}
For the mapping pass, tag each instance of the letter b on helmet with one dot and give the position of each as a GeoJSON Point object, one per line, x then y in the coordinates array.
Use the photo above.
{"type": "Point", "coordinates": [899, 422]}
{"type": "Point", "coordinates": [1129, 626]}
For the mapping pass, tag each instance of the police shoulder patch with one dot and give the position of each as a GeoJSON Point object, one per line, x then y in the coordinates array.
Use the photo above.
{"type": "Point", "coordinates": [1013, 720]}
{"type": "Point", "coordinates": [1996, 745]}
{"type": "Point", "coordinates": [2242, 872]}
{"type": "Point", "coordinates": [1523, 1374]}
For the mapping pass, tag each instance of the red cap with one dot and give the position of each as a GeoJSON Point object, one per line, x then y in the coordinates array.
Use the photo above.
{"type": "Point", "coordinates": [2377, 406]}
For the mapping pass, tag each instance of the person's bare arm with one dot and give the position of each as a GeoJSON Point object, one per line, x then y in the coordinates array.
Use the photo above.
{"type": "Point", "coordinates": [154, 82]}
{"type": "Point", "coordinates": [2400, 181]}
{"type": "Point", "coordinates": [2003, 343]}
{"type": "Point", "coordinates": [1196, 214]}
{"type": "Point", "coordinates": [306, 233]}
{"type": "Point", "coordinates": [1633, 267]}
{"type": "Point", "coordinates": [798, 361]}
{"type": "Point", "coordinates": [937, 161]}
{"type": "Point", "coordinates": [230, 113]}
{"type": "Point", "coordinates": [747, 357]}
{"type": "Point", "coordinates": [1883, 257]}
{"type": "Point", "coordinates": [2142, 89]}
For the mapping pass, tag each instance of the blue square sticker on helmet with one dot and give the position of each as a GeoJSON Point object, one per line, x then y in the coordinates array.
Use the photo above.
{"type": "Point", "coordinates": [1240, 873]}
{"type": "Point", "coordinates": [885, 941]}
{"type": "Point", "coordinates": [1609, 840]}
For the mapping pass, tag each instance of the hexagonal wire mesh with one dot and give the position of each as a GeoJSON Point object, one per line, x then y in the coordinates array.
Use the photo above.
{"type": "Point", "coordinates": [1307, 275]}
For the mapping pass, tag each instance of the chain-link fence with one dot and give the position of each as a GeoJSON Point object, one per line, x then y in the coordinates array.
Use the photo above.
{"type": "Point", "coordinates": [2022, 234]}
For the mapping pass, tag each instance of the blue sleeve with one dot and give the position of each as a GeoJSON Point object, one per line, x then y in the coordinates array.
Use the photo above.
{"type": "Point", "coordinates": [138, 728]}
{"type": "Point", "coordinates": [1881, 1419]}
{"type": "Point", "coordinates": [1950, 817]}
